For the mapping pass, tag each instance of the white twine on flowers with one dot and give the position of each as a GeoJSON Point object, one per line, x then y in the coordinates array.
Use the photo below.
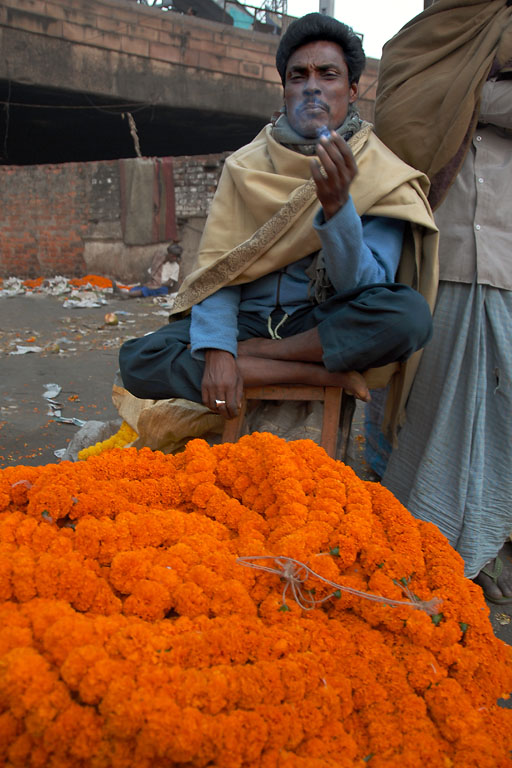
{"type": "Point", "coordinates": [295, 574]}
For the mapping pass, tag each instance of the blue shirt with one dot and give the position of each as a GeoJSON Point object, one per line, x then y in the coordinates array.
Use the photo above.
{"type": "Point", "coordinates": [357, 251]}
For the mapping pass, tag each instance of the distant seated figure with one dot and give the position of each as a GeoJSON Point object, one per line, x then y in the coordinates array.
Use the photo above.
{"type": "Point", "coordinates": [296, 277]}
{"type": "Point", "coordinates": [164, 273]}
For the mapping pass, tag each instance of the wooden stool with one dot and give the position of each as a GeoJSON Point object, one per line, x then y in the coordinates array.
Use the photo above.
{"type": "Point", "coordinates": [338, 411]}
{"type": "Point", "coordinates": [332, 398]}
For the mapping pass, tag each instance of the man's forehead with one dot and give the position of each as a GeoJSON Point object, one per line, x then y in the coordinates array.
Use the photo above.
{"type": "Point", "coordinates": [318, 51]}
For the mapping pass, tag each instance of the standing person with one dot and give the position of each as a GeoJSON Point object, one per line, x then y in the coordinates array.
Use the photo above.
{"type": "Point", "coordinates": [444, 104]}
{"type": "Point", "coordinates": [296, 277]}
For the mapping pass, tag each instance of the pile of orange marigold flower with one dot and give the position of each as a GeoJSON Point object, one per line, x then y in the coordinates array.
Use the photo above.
{"type": "Point", "coordinates": [132, 636]}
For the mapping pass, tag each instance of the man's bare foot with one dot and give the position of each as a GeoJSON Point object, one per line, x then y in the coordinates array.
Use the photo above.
{"type": "Point", "coordinates": [353, 383]}
{"type": "Point", "coordinates": [496, 577]}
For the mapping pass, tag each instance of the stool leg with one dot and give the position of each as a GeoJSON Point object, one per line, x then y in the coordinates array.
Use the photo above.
{"type": "Point", "coordinates": [233, 427]}
{"type": "Point", "coordinates": [348, 407]}
{"type": "Point", "coordinates": [331, 420]}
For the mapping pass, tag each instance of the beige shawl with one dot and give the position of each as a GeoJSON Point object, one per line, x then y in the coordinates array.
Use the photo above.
{"type": "Point", "coordinates": [262, 215]}
{"type": "Point", "coordinates": [430, 80]}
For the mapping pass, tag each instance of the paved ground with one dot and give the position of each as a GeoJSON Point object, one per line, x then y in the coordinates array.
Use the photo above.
{"type": "Point", "coordinates": [79, 353]}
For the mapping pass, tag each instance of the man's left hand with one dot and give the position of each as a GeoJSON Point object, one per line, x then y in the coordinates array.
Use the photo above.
{"type": "Point", "coordinates": [333, 171]}
{"type": "Point", "coordinates": [222, 385]}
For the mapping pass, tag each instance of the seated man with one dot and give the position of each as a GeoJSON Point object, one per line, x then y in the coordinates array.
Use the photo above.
{"type": "Point", "coordinates": [296, 267]}
{"type": "Point", "coordinates": [164, 274]}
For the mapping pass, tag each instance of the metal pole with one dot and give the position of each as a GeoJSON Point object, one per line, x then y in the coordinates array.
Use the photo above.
{"type": "Point", "coordinates": [326, 7]}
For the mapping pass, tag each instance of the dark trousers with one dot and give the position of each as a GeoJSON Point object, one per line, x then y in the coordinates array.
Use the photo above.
{"type": "Point", "coordinates": [366, 328]}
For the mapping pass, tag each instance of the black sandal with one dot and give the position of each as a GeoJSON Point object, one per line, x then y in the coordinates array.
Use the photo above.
{"type": "Point", "coordinates": [493, 570]}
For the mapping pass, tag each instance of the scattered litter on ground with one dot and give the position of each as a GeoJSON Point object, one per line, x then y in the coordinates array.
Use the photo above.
{"type": "Point", "coordinates": [87, 302]}
{"type": "Point", "coordinates": [503, 619]}
{"type": "Point", "coordinates": [73, 347]}
{"type": "Point", "coordinates": [12, 286]}
{"type": "Point", "coordinates": [55, 286]}
{"type": "Point", "coordinates": [73, 420]}
{"type": "Point", "coordinates": [55, 408]}
{"type": "Point", "coordinates": [21, 350]}
{"type": "Point", "coordinates": [80, 292]}
{"type": "Point", "coordinates": [52, 391]}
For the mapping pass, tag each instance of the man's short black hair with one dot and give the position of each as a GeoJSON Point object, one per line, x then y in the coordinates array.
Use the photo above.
{"type": "Point", "coordinates": [317, 26]}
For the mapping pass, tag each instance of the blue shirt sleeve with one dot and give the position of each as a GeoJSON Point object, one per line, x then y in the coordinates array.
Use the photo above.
{"type": "Point", "coordinates": [215, 322]}
{"type": "Point", "coordinates": [359, 250]}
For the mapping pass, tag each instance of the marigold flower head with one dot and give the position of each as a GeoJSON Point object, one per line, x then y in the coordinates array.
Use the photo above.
{"type": "Point", "coordinates": [133, 636]}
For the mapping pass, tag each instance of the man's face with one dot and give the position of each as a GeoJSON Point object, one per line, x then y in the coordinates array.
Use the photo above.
{"type": "Point", "coordinates": [316, 90]}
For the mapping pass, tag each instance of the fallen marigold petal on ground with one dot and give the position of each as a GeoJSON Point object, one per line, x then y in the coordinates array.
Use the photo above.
{"type": "Point", "coordinates": [132, 636]}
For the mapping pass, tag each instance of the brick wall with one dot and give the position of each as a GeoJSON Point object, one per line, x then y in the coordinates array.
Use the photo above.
{"type": "Point", "coordinates": [195, 182]}
{"type": "Point", "coordinates": [65, 219]}
{"type": "Point", "coordinates": [43, 217]}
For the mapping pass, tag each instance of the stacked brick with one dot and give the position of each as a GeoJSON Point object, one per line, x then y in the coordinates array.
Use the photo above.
{"type": "Point", "coordinates": [195, 182]}
{"type": "Point", "coordinates": [43, 217]}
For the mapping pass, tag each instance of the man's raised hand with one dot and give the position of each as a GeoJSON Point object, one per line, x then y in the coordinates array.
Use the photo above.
{"type": "Point", "coordinates": [333, 171]}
